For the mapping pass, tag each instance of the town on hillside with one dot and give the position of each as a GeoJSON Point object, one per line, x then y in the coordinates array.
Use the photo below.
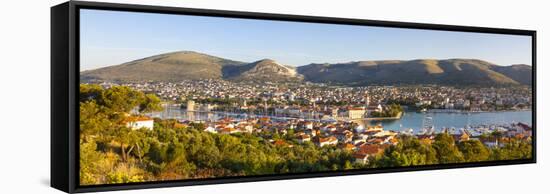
{"type": "Point", "coordinates": [331, 116]}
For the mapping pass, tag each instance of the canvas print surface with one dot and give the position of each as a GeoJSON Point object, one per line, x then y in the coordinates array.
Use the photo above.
{"type": "Point", "coordinates": [177, 97]}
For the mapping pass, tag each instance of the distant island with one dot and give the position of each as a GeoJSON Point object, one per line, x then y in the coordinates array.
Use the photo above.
{"type": "Point", "coordinates": [190, 65]}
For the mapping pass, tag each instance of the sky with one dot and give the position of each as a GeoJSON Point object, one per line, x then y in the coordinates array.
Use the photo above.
{"type": "Point", "coordinates": [114, 37]}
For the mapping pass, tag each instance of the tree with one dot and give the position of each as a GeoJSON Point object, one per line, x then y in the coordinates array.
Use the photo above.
{"type": "Point", "coordinates": [474, 151]}
{"type": "Point", "coordinates": [93, 120]}
{"type": "Point", "coordinates": [392, 110]}
{"type": "Point", "coordinates": [515, 149]}
{"type": "Point", "coordinates": [120, 134]}
{"type": "Point", "coordinates": [410, 151]}
{"type": "Point", "coordinates": [104, 112]}
{"type": "Point", "coordinates": [447, 151]}
{"type": "Point", "coordinates": [150, 103]}
{"type": "Point", "coordinates": [89, 92]}
{"type": "Point", "coordinates": [275, 135]}
{"type": "Point", "coordinates": [120, 99]}
{"type": "Point", "coordinates": [138, 142]}
{"type": "Point", "coordinates": [290, 134]}
{"type": "Point", "coordinates": [89, 157]}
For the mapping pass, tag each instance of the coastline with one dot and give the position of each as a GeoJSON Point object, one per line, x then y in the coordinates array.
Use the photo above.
{"type": "Point", "coordinates": [399, 115]}
{"type": "Point", "coordinates": [466, 111]}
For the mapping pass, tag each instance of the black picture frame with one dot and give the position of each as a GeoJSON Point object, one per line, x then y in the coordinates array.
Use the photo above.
{"type": "Point", "coordinates": [65, 79]}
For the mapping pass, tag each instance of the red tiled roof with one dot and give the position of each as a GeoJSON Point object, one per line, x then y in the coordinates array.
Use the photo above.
{"type": "Point", "coordinates": [348, 146]}
{"type": "Point", "coordinates": [137, 118]}
{"type": "Point", "coordinates": [331, 138]}
{"type": "Point", "coordinates": [369, 149]}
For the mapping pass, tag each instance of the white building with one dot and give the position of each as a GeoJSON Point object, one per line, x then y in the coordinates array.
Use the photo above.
{"type": "Point", "coordinates": [140, 122]}
{"type": "Point", "coordinates": [308, 125]}
{"type": "Point", "coordinates": [211, 129]}
{"type": "Point", "coordinates": [354, 113]}
{"type": "Point", "coordinates": [327, 141]}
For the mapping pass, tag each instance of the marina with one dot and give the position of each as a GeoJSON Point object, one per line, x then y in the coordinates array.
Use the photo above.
{"type": "Point", "coordinates": [417, 121]}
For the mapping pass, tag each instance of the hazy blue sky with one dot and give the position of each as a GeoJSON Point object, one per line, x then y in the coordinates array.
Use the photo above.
{"type": "Point", "coordinates": [113, 37]}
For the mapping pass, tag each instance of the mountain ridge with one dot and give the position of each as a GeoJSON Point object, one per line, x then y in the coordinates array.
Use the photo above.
{"type": "Point", "coordinates": [190, 65]}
